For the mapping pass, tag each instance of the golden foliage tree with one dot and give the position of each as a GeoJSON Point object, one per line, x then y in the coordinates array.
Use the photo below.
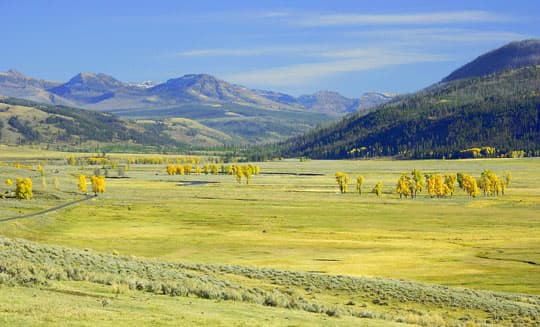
{"type": "Point", "coordinates": [404, 186]}
{"type": "Point", "coordinates": [9, 182]}
{"type": "Point", "coordinates": [343, 181]}
{"type": "Point", "coordinates": [378, 189]}
{"type": "Point", "coordinates": [198, 170]}
{"type": "Point", "coordinates": [98, 184]}
{"type": "Point", "coordinates": [24, 188]}
{"type": "Point", "coordinates": [450, 183]}
{"type": "Point", "coordinates": [469, 185]}
{"type": "Point", "coordinates": [359, 182]}
{"type": "Point", "coordinates": [490, 183]}
{"type": "Point", "coordinates": [436, 186]}
{"type": "Point", "coordinates": [418, 179]}
{"type": "Point", "coordinates": [171, 169]}
{"type": "Point", "coordinates": [82, 184]}
{"type": "Point", "coordinates": [187, 169]}
{"type": "Point", "coordinates": [248, 172]}
{"type": "Point", "coordinates": [239, 175]}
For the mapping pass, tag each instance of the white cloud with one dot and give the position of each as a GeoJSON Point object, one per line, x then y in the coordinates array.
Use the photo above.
{"type": "Point", "coordinates": [302, 74]}
{"type": "Point", "coordinates": [251, 51]}
{"type": "Point", "coordinates": [456, 35]}
{"type": "Point", "coordinates": [432, 18]}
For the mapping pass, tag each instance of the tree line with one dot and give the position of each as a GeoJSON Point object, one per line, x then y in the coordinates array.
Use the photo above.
{"type": "Point", "coordinates": [409, 185]}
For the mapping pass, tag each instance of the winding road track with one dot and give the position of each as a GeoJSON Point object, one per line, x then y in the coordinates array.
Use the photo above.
{"type": "Point", "coordinates": [42, 212]}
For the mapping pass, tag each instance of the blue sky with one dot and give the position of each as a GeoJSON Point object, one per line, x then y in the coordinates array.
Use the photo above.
{"type": "Point", "coordinates": [296, 47]}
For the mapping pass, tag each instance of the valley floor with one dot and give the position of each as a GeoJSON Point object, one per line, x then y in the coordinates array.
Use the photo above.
{"type": "Point", "coordinates": [294, 220]}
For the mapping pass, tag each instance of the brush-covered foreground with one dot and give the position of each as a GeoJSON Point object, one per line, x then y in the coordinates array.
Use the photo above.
{"type": "Point", "coordinates": [117, 282]}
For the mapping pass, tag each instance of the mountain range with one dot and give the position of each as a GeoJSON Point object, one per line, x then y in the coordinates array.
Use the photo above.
{"type": "Point", "coordinates": [105, 93]}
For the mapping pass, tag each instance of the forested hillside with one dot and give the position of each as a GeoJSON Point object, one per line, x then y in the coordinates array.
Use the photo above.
{"type": "Point", "coordinates": [455, 119]}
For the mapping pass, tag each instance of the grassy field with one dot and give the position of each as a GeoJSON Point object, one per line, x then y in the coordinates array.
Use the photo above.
{"type": "Point", "coordinates": [296, 220]}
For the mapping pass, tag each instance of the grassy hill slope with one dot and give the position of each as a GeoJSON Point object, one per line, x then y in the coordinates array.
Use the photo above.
{"type": "Point", "coordinates": [26, 122]}
{"type": "Point", "coordinates": [500, 110]}
{"type": "Point", "coordinates": [243, 124]}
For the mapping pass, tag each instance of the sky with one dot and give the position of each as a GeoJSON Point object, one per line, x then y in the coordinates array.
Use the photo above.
{"type": "Point", "coordinates": [296, 47]}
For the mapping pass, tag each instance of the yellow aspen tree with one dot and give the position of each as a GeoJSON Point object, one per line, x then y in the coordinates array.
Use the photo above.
{"type": "Point", "coordinates": [171, 170]}
{"type": "Point", "coordinates": [378, 189]}
{"type": "Point", "coordinates": [187, 169]}
{"type": "Point", "coordinates": [198, 170]}
{"type": "Point", "coordinates": [82, 184]}
{"type": "Point", "coordinates": [450, 182]}
{"type": "Point", "coordinates": [418, 179]}
{"type": "Point", "coordinates": [440, 188]}
{"type": "Point", "coordinates": [431, 186]}
{"type": "Point", "coordinates": [98, 184]}
{"type": "Point", "coordinates": [179, 170]}
{"type": "Point", "coordinates": [214, 169]}
{"type": "Point", "coordinates": [9, 182]}
{"type": "Point", "coordinates": [206, 169]}
{"type": "Point", "coordinates": [24, 188]}
{"type": "Point", "coordinates": [230, 170]}
{"type": "Point", "coordinates": [470, 186]}
{"type": "Point", "coordinates": [56, 184]}
{"type": "Point", "coordinates": [403, 187]}
{"type": "Point", "coordinates": [343, 181]}
{"type": "Point", "coordinates": [256, 170]}
{"type": "Point", "coordinates": [248, 171]}
{"type": "Point", "coordinates": [239, 175]}
{"type": "Point", "coordinates": [359, 182]}
{"type": "Point", "coordinates": [39, 168]}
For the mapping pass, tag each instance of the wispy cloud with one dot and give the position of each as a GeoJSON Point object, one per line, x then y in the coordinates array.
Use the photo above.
{"type": "Point", "coordinates": [301, 74]}
{"type": "Point", "coordinates": [251, 51]}
{"type": "Point", "coordinates": [454, 35]}
{"type": "Point", "coordinates": [432, 18]}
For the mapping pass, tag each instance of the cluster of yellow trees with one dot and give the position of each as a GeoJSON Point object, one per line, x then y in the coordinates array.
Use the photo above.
{"type": "Point", "coordinates": [98, 184]}
{"type": "Point", "coordinates": [438, 185]}
{"type": "Point", "coordinates": [241, 172]}
{"type": "Point", "coordinates": [342, 180]}
{"type": "Point", "coordinates": [24, 188]}
{"type": "Point", "coordinates": [72, 160]}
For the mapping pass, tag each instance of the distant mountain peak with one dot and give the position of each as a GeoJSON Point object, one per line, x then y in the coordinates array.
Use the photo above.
{"type": "Point", "coordinates": [513, 55]}
{"type": "Point", "coordinates": [15, 72]}
{"type": "Point", "coordinates": [92, 78]}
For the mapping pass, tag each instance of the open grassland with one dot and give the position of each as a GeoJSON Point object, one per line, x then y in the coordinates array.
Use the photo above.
{"type": "Point", "coordinates": [291, 217]}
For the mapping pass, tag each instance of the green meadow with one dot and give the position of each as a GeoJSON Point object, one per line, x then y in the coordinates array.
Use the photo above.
{"type": "Point", "coordinates": [291, 217]}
